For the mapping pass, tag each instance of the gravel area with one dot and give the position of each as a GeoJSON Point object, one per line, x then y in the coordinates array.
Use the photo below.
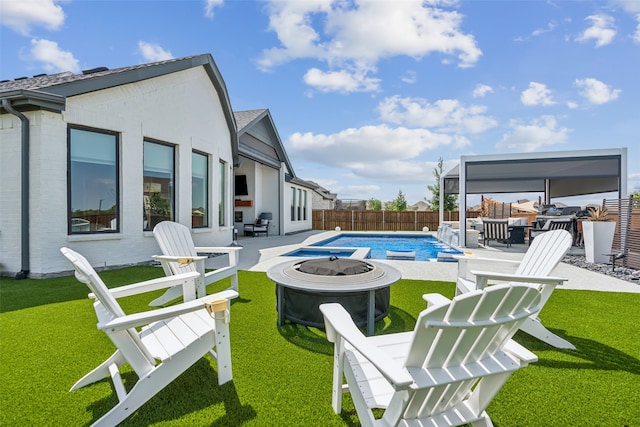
{"type": "Point", "coordinates": [623, 273]}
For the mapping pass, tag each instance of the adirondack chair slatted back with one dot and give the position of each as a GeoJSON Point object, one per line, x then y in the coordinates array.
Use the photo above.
{"type": "Point", "coordinates": [461, 338]}
{"type": "Point", "coordinates": [545, 252]}
{"type": "Point", "coordinates": [175, 240]}
{"type": "Point", "coordinates": [107, 308]}
{"type": "Point", "coordinates": [496, 229]}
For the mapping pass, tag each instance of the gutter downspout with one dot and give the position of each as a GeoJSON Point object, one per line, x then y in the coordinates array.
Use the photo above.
{"type": "Point", "coordinates": [24, 232]}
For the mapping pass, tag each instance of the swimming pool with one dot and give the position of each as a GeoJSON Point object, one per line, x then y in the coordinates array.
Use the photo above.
{"type": "Point", "coordinates": [426, 248]}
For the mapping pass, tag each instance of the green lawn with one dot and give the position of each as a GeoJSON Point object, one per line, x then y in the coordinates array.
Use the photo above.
{"type": "Point", "coordinates": [282, 376]}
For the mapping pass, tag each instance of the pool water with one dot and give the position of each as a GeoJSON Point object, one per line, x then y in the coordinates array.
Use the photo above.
{"type": "Point", "coordinates": [425, 247]}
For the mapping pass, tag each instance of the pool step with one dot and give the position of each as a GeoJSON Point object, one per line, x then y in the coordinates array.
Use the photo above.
{"type": "Point", "coordinates": [407, 255]}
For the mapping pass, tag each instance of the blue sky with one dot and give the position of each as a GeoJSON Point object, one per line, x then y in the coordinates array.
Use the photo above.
{"type": "Point", "coordinates": [368, 95]}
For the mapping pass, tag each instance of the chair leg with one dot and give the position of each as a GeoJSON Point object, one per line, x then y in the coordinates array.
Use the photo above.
{"type": "Point", "coordinates": [101, 371]}
{"type": "Point", "coordinates": [534, 328]}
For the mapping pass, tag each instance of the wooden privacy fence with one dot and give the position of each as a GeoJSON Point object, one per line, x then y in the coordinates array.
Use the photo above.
{"type": "Point", "coordinates": [381, 220]}
{"type": "Point", "coordinates": [626, 240]}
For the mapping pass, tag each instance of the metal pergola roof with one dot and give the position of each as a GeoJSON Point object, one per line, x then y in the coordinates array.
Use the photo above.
{"type": "Point", "coordinates": [557, 174]}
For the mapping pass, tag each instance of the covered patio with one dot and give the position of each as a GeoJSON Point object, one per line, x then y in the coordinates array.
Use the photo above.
{"type": "Point", "coordinates": [556, 174]}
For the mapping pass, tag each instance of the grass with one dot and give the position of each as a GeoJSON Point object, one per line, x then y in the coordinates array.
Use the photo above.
{"type": "Point", "coordinates": [282, 376]}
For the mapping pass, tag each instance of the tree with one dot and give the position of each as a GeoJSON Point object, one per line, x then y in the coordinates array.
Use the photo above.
{"type": "Point", "coordinates": [398, 204]}
{"type": "Point", "coordinates": [450, 200]}
{"type": "Point", "coordinates": [374, 204]}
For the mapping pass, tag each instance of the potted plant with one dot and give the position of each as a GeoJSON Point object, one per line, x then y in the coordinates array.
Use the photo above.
{"type": "Point", "coordinates": [598, 234]}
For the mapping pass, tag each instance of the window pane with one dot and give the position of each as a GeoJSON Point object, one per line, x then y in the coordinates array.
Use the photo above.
{"type": "Point", "coordinates": [199, 190]}
{"type": "Point", "coordinates": [293, 204]}
{"type": "Point", "coordinates": [304, 204]}
{"type": "Point", "coordinates": [222, 220]}
{"type": "Point", "coordinates": [298, 204]}
{"type": "Point", "coordinates": [93, 181]}
{"type": "Point", "coordinates": [158, 184]}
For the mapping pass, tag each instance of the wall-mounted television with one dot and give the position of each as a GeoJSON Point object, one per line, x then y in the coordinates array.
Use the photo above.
{"type": "Point", "coordinates": [241, 186]}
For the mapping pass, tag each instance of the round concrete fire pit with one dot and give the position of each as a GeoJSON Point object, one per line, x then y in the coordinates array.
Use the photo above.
{"type": "Point", "coordinates": [362, 287]}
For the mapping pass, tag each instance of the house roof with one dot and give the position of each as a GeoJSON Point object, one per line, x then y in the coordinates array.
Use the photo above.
{"type": "Point", "coordinates": [317, 188]}
{"type": "Point", "coordinates": [49, 91]}
{"type": "Point", "coordinates": [258, 139]}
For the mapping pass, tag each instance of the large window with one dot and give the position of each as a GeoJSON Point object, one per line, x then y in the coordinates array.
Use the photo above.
{"type": "Point", "coordinates": [92, 181]}
{"type": "Point", "coordinates": [199, 190]}
{"type": "Point", "coordinates": [293, 204]}
{"type": "Point", "coordinates": [304, 205]}
{"type": "Point", "coordinates": [298, 204]}
{"type": "Point", "coordinates": [222, 194]}
{"type": "Point", "coordinates": [158, 181]}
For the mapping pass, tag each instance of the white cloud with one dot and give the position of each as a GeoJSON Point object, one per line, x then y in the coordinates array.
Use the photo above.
{"type": "Point", "coordinates": [539, 133]}
{"type": "Point", "coordinates": [360, 33]}
{"type": "Point", "coordinates": [636, 34]}
{"type": "Point", "coordinates": [536, 94]}
{"type": "Point", "coordinates": [601, 30]}
{"type": "Point", "coordinates": [631, 6]}
{"type": "Point", "coordinates": [354, 191]}
{"type": "Point", "coordinates": [539, 31]}
{"type": "Point", "coordinates": [481, 90]}
{"type": "Point", "coordinates": [53, 58]}
{"type": "Point", "coordinates": [22, 15]}
{"type": "Point", "coordinates": [359, 149]}
{"type": "Point", "coordinates": [209, 5]}
{"type": "Point", "coordinates": [152, 52]}
{"type": "Point", "coordinates": [445, 115]}
{"type": "Point", "coordinates": [340, 81]}
{"type": "Point", "coordinates": [409, 77]}
{"type": "Point", "coordinates": [572, 105]}
{"type": "Point", "coordinates": [595, 91]}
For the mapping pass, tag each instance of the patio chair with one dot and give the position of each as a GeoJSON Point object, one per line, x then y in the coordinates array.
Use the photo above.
{"type": "Point", "coordinates": [443, 373]}
{"type": "Point", "coordinates": [180, 255]}
{"type": "Point", "coordinates": [158, 345]}
{"type": "Point", "coordinates": [496, 229]}
{"type": "Point", "coordinates": [260, 226]}
{"type": "Point", "coordinates": [552, 224]}
{"type": "Point", "coordinates": [541, 258]}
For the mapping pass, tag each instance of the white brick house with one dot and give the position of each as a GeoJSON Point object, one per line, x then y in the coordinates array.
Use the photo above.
{"type": "Point", "coordinates": [266, 180]}
{"type": "Point", "coordinates": [92, 161]}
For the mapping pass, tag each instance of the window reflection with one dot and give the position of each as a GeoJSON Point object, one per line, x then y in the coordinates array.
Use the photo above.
{"type": "Point", "coordinates": [199, 190]}
{"type": "Point", "coordinates": [93, 181]}
{"type": "Point", "coordinates": [158, 182]}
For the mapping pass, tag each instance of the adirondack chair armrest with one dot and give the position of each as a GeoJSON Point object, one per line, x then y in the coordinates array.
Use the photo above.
{"type": "Point", "coordinates": [153, 285]}
{"type": "Point", "coordinates": [146, 317]}
{"type": "Point", "coordinates": [338, 323]}
{"type": "Point", "coordinates": [467, 258]}
{"type": "Point", "coordinates": [520, 352]}
{"type": "Point", "coordinates": [484, 276]}
{"type": "Point", "coordinates": [232, 251]}
{"type": "Point", "coordinates": [180, 259]}
{"type": "Point", "coordinates": [435, 300]}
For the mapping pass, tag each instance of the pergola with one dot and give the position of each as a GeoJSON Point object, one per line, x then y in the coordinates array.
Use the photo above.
{"type": "Point", "coordinates": [557, 174]}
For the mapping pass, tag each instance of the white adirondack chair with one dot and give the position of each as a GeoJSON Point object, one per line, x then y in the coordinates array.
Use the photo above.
{"type": "Point", "coordinates": [443, 373]}
{"type": "Point", "coordinates": [541, 258]}
{"type": "Point", "coordinates": [180, 255]}
{"type": "Point", "coordinates": [170, 341]}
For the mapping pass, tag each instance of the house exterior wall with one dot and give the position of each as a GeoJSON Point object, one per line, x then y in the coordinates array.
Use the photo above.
{"type": "Point", "coordinates": [293, 225]}
{"type": "Point", "coordinates": [181, 108]}
{"type": "Point", "coordinates": [320, 202]}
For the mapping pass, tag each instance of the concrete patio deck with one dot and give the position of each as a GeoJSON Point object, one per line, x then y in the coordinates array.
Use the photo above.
{"type": "Point", "coordinates": [261, 253]}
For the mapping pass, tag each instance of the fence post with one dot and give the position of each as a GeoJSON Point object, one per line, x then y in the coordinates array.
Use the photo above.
{"type": "Point", "coordinates": [352, 222]}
